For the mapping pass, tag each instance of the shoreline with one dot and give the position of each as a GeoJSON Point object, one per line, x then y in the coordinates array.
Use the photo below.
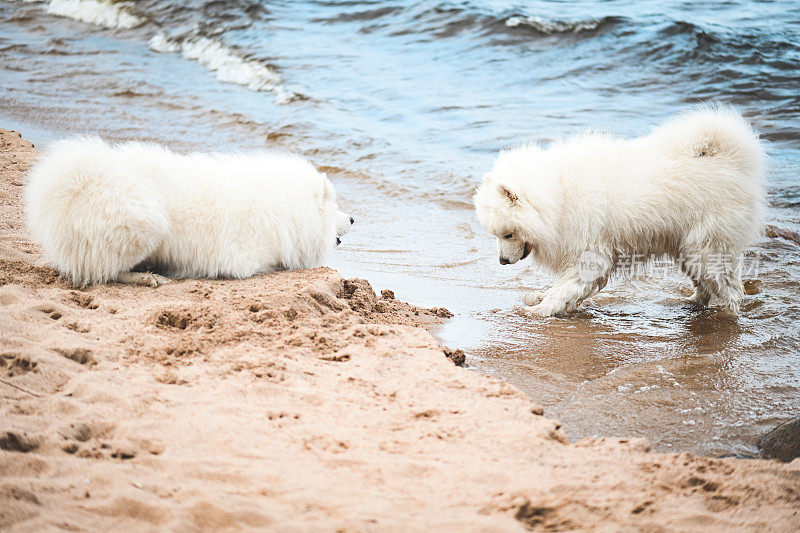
{"type": "Point", "coordinates": [302, 400]}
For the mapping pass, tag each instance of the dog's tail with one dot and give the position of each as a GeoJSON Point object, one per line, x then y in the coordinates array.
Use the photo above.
{"type": "Point", "coordinates": [715, 131]}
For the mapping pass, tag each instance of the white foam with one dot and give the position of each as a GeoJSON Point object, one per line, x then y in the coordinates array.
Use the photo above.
{"type": "Point", "coordinates": [552, 26]}
{"type": "Point", "coordinates": [226, 64]}
{"type": "Point", "coordinates": [99, 12]}
{"type": "Point", "coordinates": [160, 43]}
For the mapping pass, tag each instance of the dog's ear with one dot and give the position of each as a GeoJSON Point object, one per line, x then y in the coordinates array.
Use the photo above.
{"type": "Point", "coordinates": [328, 193]}
{"type": "Point", "coordinates": [507, 192]}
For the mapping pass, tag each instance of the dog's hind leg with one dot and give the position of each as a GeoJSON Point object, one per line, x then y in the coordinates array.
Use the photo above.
{"type": "Point", "coordinates": [567, 293]}
{"type": "Point", "coordinates": [727, 290]}
{"type": "Point", "coordinates": [97, 224]}
{"type": "Point", "coordinates": [142, 278]}
{"type": "Point", "coordinates": [694, 270]}
{"type": "Point", "coordinates": [716, 277]}
{"type": "Point", "coordinates": [701, 296]}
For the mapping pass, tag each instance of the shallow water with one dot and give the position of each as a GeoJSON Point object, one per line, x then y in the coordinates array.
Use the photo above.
{"type": "Point", "coordinates": [406, 103]}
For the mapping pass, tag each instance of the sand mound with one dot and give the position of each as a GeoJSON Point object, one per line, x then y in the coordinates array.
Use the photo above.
{"type": "Point", "coordinates": [300, 400]}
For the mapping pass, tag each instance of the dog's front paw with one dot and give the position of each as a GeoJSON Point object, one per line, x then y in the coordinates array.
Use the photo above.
{"type": "Point", "coordinates": [533, 298]}
{"type": "Point", "coordinates": [149, 279]}
{"type": "Point", "coordinates": [156, 280]}
{"type": "Point", "coordinates": [530, 311]}
{"type": "Point", "coordinates": [543, 309]}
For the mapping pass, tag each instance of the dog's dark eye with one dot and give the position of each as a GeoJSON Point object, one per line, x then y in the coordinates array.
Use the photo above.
{"type": "Point", "coordinates": [508, 236]}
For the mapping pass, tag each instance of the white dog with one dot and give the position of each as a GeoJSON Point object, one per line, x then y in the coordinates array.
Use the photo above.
{"type": "Point", "coordinates": [690, 190]}
{"type": "Point", "coordinates": [101, 210]}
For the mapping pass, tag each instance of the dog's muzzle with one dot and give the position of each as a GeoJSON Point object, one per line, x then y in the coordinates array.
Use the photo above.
{"type": "Point", "coordinates": [526, 252]}
{"type": "Point", "coordinates": [343, 227]}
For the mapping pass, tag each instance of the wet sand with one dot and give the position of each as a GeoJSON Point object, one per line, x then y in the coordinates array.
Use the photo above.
{"type": "Point", "coordinates": [299, 401]}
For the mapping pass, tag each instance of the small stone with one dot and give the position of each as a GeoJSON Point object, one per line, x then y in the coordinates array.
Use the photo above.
{"type": "Point", "coordinates": [783, 442]}
{"type": "Point", "coordinates": [387, 294]}
{"type": "Point", "coordinates": [775, 232]}
{"type": "Point", "coordinates": [456, 356]}
{"type": "Point", "coordinates": [441, 312]}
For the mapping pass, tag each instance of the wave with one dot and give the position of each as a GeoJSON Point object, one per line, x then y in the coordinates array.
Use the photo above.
{"type": "Point", "coordinates": [227, 64]}
{"type": "Point", "coordinates": [99, 12]}
{"type": "Point", "coordinates": [550, 27]}
{"type": "Point", "coordinates": [446, 19]}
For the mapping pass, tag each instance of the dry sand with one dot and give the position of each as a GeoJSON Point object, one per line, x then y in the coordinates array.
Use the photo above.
{"type": "Point", "coordinates": [301, 401]}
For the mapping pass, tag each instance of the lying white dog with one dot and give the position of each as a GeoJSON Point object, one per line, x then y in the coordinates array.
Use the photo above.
{"type": "Point", "coordinates": [690, 190]}
{"type": "Point", "coordinates": [100, 210]}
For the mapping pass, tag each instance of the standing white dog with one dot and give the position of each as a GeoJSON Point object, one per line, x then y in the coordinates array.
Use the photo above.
{"type": "Point", "coordinates": [100, 210]}
{"type": "Point", "coordinates": [690, 190]}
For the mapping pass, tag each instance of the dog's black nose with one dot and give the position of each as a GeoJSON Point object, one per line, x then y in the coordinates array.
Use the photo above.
{"type": "Point", "coordinates": [504, 261]}
{"type": "Point", "coordinates": [352, 220]}
{"type": "Point", "coordinates": [338, 241]}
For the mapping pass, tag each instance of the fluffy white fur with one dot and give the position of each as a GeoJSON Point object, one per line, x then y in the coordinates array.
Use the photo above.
{"type": "Point", "coordinates": [100, 210]}
{"type": "Point", "coordinates": [691, 189]}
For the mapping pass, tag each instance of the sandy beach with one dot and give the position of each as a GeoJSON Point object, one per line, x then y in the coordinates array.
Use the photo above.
{"type": "Point", "coordinates": [302, 401]}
